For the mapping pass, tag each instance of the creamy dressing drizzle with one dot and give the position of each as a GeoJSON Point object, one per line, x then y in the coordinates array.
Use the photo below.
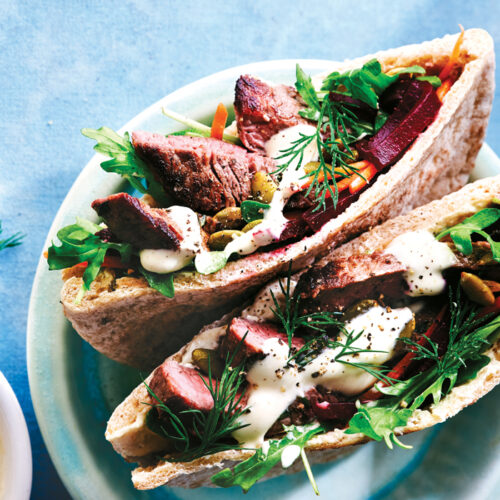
{"type": "Point", "coordinates": [166, 261]}
{"type": "Point", "coordinates": [162, 261]}
{"type": "Point", "coordinates": [274, 221]}
{"type": "Point", "coordinates": [426, 259]}
{"type": "Point", "coordinates": [274, 386]}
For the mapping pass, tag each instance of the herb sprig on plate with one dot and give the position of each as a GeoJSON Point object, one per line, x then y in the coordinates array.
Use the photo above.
{"type": "Point", "coordinates": [12, 241]}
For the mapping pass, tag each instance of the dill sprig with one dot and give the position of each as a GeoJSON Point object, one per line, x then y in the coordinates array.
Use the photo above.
{"type": "Point", "coordinates": [207, 432]}
{"type": "Point", "coordinates": [332, 139]}
{"type": "Point", "coordinates": [12, 241]}
{"type": "Point", "coordinates": [469, 335]}
{"type": "Point", "coordinates": [329, 329]}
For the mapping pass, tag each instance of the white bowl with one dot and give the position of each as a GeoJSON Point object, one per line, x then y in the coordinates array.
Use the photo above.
{"type": "Point", "coordinates": [15, 447]}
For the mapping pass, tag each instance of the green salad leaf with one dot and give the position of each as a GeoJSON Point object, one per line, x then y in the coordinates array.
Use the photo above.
{"type": "Point", "coordinates": [79, 243]}
{"type": "Point", "coordinates": [433, 80]}
{"type": "Point", "coordinates": [469, 337]}
{"type": "Point", "coordinates": [247, 473]}
{"type": "Point", "coordinates": [366, 83]}
{"type": "Point", "coordinates": [379, 423]}
{"type": "Point", "coordinates": [252, 210]}
{"type": "Point", "coordinates": [125, 161]}
{"type": "Point", "coordinates": [461, 233]}
{"type": "Point", "coordinates": [163, 283]}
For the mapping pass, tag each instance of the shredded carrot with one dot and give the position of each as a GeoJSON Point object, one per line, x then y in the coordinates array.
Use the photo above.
{"type": "Point", "coordinates": [358, 165]}
{"type": "Point", "coordinates": [219, 122]}
{"type": "Point", "coordinates": [109, 261]}
{"type": "Point", "coordinates": [46, 254]}
{"type": "Point", "coordinates": [443, 89]}
{"type": "Point", "coordinates": [454, 56]}
{"type": "Point", "coordinates": [359, 182]}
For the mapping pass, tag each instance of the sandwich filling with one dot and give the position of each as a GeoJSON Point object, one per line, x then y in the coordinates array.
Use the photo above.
{"type": "Point", "coordinates": [296, 158]}
{"type": "Point", "coordinates": [357, 344]}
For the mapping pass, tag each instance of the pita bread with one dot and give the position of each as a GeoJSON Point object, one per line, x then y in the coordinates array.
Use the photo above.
{"type": "Point", "coordinates": [130, 322]}
{"type": "Point", "coordinates": [131, 438]}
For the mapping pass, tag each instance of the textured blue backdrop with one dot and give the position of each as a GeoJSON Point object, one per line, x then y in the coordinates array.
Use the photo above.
{"type": "Point", "coordinates": [66, 65]}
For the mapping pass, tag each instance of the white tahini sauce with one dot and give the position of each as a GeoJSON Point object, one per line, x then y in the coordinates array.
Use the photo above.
{"type": "Point", "coordinates": [164, 261]}
{"type": "Point", "coordinates": [274, 386]}
{"type": "Point", "coordinates": [274, 221]}
{"type": "Point", "coordinates": [426, 259]}
{"type": "Point", "coordinates": [261, 309]}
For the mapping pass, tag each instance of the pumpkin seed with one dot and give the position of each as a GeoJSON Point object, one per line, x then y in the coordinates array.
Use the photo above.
{"type": "Point", "coordinates": [251, 225]}
{"type": "Point", "coordinates": [263, 187]}
{"type": "Point", "coordinates": [200, 359]}
{"type": "Point", "coordinates": [230, 218]}
{"type": "Point", "coordinates": [476, 289]}
{"type": "Point", "coordinates": [220, 239]}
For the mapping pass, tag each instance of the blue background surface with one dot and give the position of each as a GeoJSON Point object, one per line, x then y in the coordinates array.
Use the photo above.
{"type": "Point", "coordinates": [68, 65]}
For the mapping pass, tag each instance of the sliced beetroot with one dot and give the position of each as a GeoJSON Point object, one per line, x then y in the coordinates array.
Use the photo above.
{"type": "Point", "coordinates": [339, 411]}
{"type": "Point", "coordinates": [296, 227]}
{"type": "Point", "coordinates": [414, 113]}
{"type": "Point", "coordinates": [250, 337]}
{"type": "Point", "coordinates": [359, 108]}
{"type": "Point", "coordinates": [316, 219]}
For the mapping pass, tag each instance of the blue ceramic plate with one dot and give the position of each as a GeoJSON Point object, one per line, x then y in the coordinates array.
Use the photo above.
{"type": "Point", "coordinates": [75, 389]}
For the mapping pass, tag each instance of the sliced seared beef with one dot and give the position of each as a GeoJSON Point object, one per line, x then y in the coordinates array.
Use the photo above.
{"type": "Point", "coordinates": [181, 387]}
{"type": "Point", "coordinates": [201, 173]}
{"type": "Point", "coordinates": [346, 280]}
{"type": "Point", "coordinates": [132, 221]}
{"type": "Point", "coordinates": [256, 334]}
{"type": "Point", "coordinates": [262, 110]}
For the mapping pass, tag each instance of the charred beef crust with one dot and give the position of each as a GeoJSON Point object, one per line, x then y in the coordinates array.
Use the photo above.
{"type": "Point", "coordinates": [132, 221]}
{"type": "Point", "coordinates": [247, 337]}
{"type": "Point", "coordinates": [181, 387]}
{"type": "Point", "coordinates": [344, 281]}
{"type": "Point", "coordinates": [201, 173]}
{"type": "Point", "coordinates": [262, 110]}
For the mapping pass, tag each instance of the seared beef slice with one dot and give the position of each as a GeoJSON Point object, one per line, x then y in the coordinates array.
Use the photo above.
{"type": "Point", "coordinates": [345, 281]}
{"type": "Point", "coordinates": [201, 173]}
{"type": "Point", "coordinates": [262, 110]}
{"type": "Point", "coordinates": [132, 221]}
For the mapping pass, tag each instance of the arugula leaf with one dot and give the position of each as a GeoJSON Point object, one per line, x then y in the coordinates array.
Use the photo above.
{"type": "Point", "coordinates": [463, 359]}
{"type": "Point", "coordinates": [11, 241]}
{"type": "Point", "coordinates": [125, 161]}
{"type": "Point", "coordinates": [433, 80]}
{"type": "Point", "coordinates": [461, 234]}
{"type": "Point", "coordinates": [379, 423]}
{"type": "Point", "coordinates": [79, 243]}
{"type": "Point", "coordinates": [210, 262]}
{"type": "Point", "coordinates": [247, 473]}
{"type": "Point", "coordinates": [307, 91]}
{"type": "Point", "coordinates": [368, 82]}
{"type": "Point", "coordinates": [252, 210]}
{"type": "Point", "coordinates": [164, 283]}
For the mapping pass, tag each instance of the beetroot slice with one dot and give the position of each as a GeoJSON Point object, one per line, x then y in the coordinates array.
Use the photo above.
{"type": "Point", "coordinates": [415, 112]}
{"type": "Point", "coordinates": [316, 219]}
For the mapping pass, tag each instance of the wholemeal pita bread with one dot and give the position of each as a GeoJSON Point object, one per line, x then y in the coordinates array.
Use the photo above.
{"type": "Point", "coordinates": [131, 438]}
{"type": "Point", "coordinates": [130, 322]}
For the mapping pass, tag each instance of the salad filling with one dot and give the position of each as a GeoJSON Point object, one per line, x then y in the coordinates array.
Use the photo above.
{"type": "Point", "coordinates": [301, 156]}
{"type": "Point", "coordinates": [303, 362]}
